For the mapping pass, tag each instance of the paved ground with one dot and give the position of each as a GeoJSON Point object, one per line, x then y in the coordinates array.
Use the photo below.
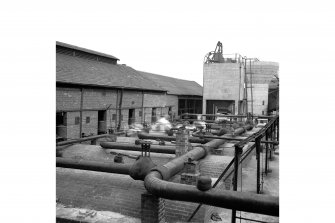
{"type": "Point", "coordinates": [270, 187]}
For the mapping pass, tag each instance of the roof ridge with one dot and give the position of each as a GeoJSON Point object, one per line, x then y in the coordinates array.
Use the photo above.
{"type": "Point", "coordinates": [70, 46]}
{"type": "Point", "coordinates": [165, 76]}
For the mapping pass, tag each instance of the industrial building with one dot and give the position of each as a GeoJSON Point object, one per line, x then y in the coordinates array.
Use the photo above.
{"type": "Point", "coordinates": [94, 93]}
{"type": "Point", "coordinates": [235, 84]}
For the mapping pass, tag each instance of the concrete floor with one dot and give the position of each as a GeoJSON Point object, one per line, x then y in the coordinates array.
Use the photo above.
{"type": "Point", "coordinates": [270, 187]}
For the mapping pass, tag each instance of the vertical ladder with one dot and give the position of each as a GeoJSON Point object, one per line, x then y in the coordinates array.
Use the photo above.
{"type": "Point", "coordinates": [248, 84]}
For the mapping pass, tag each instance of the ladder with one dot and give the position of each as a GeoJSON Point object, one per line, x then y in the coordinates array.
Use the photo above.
{"type": "Point", "coordinates": [248, 85]}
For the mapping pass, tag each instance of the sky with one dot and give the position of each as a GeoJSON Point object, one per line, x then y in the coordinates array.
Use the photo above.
{"type": "Point", "coordinates": [169, 38]}
{"type": "Point", "coordinates": [172, 39]}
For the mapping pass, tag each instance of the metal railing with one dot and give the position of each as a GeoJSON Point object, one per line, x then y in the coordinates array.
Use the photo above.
{"type": "Point", "coordinates": [269, 131]}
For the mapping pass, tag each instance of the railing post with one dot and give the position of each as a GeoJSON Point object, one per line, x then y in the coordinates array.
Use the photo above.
{"type": "Point", "coordinates": [278, 129]}
{"type": "Point", "coordinates": [258, 150]}
{"type": "Point", "coordinates": [238, 152]}
{"type": "Point", "coordinates": [272, 139]}
{"type": "Point", "coordinates": [266, 151]}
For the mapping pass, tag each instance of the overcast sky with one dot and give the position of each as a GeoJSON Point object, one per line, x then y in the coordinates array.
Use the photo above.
{"type": "Point", "coordinates": [172, 39]}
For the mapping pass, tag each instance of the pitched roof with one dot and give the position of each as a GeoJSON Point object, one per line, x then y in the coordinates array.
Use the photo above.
{"type": "Point", "coordinates": [174, 85]}
{"type": "Point", "coordinates": [84, 50]}
{"type": "Point", "coordinates": [76, 70]}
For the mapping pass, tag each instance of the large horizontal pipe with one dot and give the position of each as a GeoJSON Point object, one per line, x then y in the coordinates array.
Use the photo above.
{"type": "Point", "coordinates": [143, 135]}
{"type": "Point", "coordinates": [126, 146]}
{"type": "Point", "coordinates": [248, 202]}
{"type": "Point", "coordinates": [174, 166]}
{"type": "Point", "coordinates": [155, 182]}
{"type": "Point", "coordinates": [99, 166]}
{"type": "Point", "coordinates": [241, 130]}
{"type": "Point", "coordinates": [72, 141]}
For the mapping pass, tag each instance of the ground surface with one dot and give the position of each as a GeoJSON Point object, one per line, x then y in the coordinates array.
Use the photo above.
{"type": "Point", "coordinates": [270, 187]}
{"type": "Point", "coordinates": [80, 192]}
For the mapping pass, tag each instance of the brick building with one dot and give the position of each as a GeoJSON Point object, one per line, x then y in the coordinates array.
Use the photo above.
{"type": "Point", "coordinates": [94, 93]}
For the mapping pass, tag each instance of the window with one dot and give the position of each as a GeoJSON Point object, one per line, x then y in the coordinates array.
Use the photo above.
{"type": "Point", "coordinates": [103, 93]}
{"type": "Point", "coordinates": [140, 113]}
{"type": "Point", "coordinates": [263, 102]}
{"type": "Point", "coordinates": [76, 121]}
{"type": "Point", "coordinates": [262, 112]}
{"type": "Point", "coordinates": [114, 117]}
{"type": "Point", "coordinates": [88, 119]}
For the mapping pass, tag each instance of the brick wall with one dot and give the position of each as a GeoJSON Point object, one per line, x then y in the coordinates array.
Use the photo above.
{"type": "Point", "coordinates": [132, 99]}
{"type": "Point", "coordinates": [172, 100]}
{"type": "Point", "coordinates": [147, 114]}
{"type": "Point", "coordinates": [92, 126]}
{"type": "Point", "coordinates": [154, 100]}
{"type": "Point", "coordinates": [99, 191]}
{"type": "Point", "coordinates": [99, 98]}
{"type": "Point", "coordinates": [152, 208]}
{"type": "Point", "coordinates": [109, 118]}
{"type": "Point", "coordinates": [67, 98]}
{"type": "Point", "coordinates": [72, 128]}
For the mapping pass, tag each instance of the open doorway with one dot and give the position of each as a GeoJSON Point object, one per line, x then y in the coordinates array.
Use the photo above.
{"type": "Point", "coordinates": [153, 115]}
{"type": "Point", "coordinates": [131, 116]}
{"type": "Point", "coordinates": [102, 124]}
{"type": "Point", "coordinates": [61, 126]}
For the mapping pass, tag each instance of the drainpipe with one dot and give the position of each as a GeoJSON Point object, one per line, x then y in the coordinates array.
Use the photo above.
{"type": "Point", "coordinates": [120, 111]}
{"type": "Point", "coordinates": [143, 107]}
{"type": "Point", "coordinates": [81, 113]}
{"type": "Point", "coordinates": [100, 166]}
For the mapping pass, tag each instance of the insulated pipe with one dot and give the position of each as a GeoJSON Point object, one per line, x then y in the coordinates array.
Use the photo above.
{"type": "Point", "coordinates": [72, 141]}
{"type": "Point", "coordinates": [174, 166]}
{"type": "Point", "coordinates": [248, 202]}
{"type": "Point", "coordinates": [241, 130]}
{"type": "Point", "coordinates": [143, 135]}
{"type": "Point", "coordinates": [99, 166]}
{"type": "Point", "coordinates": [126, 146]}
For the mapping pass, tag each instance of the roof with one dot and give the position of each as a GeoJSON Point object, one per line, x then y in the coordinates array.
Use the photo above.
{"type": "Point", "coordinates": [77, 70]}
{"type": "Point", "coordinates": [84, 50]}
{"type": "Point", "coordinates": [174, 85]}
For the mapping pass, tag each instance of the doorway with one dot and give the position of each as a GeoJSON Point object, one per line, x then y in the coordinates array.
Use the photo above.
{"type": "Point", "coordinates": [102, 124]}
{"type": "Point", "coordinates": [153, 115]}
{"type": "Point", "coordinates": [131, 116]}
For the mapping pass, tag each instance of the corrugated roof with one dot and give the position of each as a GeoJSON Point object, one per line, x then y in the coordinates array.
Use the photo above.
{"type": "Point", "coordinates": [174, 85]}
{"type": "Point", "coordinates": [84, 50]}
{"type": "Point", "coordinates": [76, 70]}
